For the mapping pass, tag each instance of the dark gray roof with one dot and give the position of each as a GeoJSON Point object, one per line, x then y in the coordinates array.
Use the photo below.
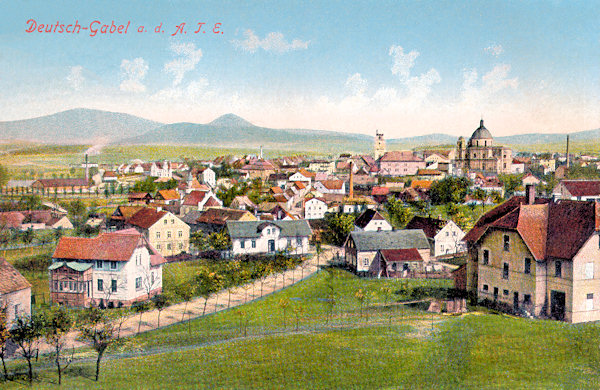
{"type": "Point", "coordinates": [191, 218]}
{"type": "Point", "coordinates": [249, 229]}
{"type": "Point", "coordinates": [397, 239]}
{"type": "Point", "coordinates": [481, 132]}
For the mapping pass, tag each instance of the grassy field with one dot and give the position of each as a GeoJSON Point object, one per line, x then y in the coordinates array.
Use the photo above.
{"type": "Point", "coordinates": [413, 350]}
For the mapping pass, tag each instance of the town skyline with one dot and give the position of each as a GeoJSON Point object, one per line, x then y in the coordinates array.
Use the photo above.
{"type": "Point", "coordinates": [406, 69]}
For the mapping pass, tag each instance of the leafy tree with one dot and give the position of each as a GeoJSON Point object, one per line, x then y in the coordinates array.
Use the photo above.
{"type": "Point", "coordinates": [512, 183]}
{"type": "Point", "coordinates": [184, 291]}
{"type": "Point", "coordinates": [298, 311]}
{"type": "Point", "coordinates": [219, 241]}
{"type": "Point", "coordinates": [399, 214]}
{"type": "Point", "coordinates": [284, 304]}
{"type": "Point", "coordinates": [26, 334]}
{"type": "Point", "coordinates": [27, 236]}
{"type": "Point", "coordinates": [57, 323]}
{"type": "Point", "coordinates": [200, 241]}
{"type": "Point", "coordinates": [452, 209]}
{"type": "Point", "coordinates": [449, 190]}
{"type": "Point", "coordinates": [100, 331]}
{"type": "Point", "coordinates": [160, 301]}
{"type": "Point", "coordinates": [232, 278]}
{"type": "Point", "coordinates": [339, 226]}
{"type": "Point", "coordinates": [30, 202]}
{"type": "Point", "coordinates": [4, 337]}
{"type": "Point", "coordinates": [208, 283]}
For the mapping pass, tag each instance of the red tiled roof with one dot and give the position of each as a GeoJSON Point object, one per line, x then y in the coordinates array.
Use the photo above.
{"type": "Point", "coordinates": [426, 184]}
{"type": "Point", "coordinates": [306, 173]}
{"type": "Point", "coordinates": [400, 155]}
{"type": "Point", "coordinates": [193, 198]}
{"type": "Point", "coordinates": [428, 172]}
{"type": "Point", "coordinates": [332, 184]}
{"type": "Point", "coordinates": [380, 191]}
{"type": "Point", "coordinates": [146, 217]}
{"type": "Point", "coordinates": [582, 187]}
{"type": "Point", "coordinates": [391, 255]}
{"type": "Point", "coordinates": [168, 194]}
{"type": "Point", "coordinates": [276, 190]}
{"type": "Point", "coordinates": [10, 279]}
{"type": "Point", "coordinates": [212, 202]}
{"type": "Point", "coordinates": [109, 246]}
{"type": "Point", "coordinates": [300, 185]}
{"type": "Point", "coordinates": [46, 183]}
{"type": "Point", "coordinates": [430, 226]}
{"type": "Point", "coordinates": [11, 219]}
{"type": "Point", "coordinates": [220, 216]}
{"type": "Point", "coordinates": [139, 196]}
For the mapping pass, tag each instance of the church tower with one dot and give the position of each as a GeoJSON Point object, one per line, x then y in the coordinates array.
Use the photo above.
{"type": "Point", "coordinates": [379, 145]}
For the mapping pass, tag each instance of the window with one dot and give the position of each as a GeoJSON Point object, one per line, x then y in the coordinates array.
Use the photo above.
{"type": "Point", "coordinates": [113, 265]}
{"type": "Point", "coordinates": [169, 246]}
{"type": "Point", "coordinates": [98, 264]}
{"type": "Point", "coordinates": [157, 234]}
{"type": "Point", "coordinates": [589, 302]}
{"type": "Point", "coordinates": [365, 262]}
{"type": "Point", "coordinates": [486, 257]}
{"type": "Point", "coordinates": [527, 299]}
{"type": "Point", "coordinates": [527, 269]}
{"type": "Point", "coordinates": [138, 283]}
{"type": "Point", "coordinates": [180, 234]}
{"type": "Point", "coordinates": [113, 285]}
{"type": "Point", "coordinates": [268, 231]}
{"type": "Point", "coordinates": [180, 245]}
{"type": "Point", "coordinates": [70, 286]}
{"type": "Point", "coordinates": [152, 278]}
{"type": "Point", "coordinates": [100, 285]}
{"type": "Point", "coordinates": [505, 271]}
{"type": "Point", "coordinates": [165, 221]}
{"type": "Point", "coordinates": [169, 234]}
{"type": "Point", "coordinates": [172, 221]}
{"type": "Point", "coordinates": [253, 243]}
{"type": "Point", "coordinates": [447, 234]}
{"type": "Point", "coordinates": [558, 269]}
{"type": "Point", "coordinates": [485, 287]}
{"type": "Point", "coordinates": [505, 292]}
{"type": "Point", "coordinates": [298, 241]}
{"type": "Point", "coordinates": [589, 271]}
{"type": "Point", "coordinates": [158, 246]}
{"type": "Point", "coordinates": [506, 243]}
{"type": "Point", "coordinates": [242, 244]}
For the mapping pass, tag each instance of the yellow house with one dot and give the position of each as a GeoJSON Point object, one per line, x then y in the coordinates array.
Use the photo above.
{"type": "Point", "coordinates": [538, 257]}
{"type": "Point", "coordinates": [168, 234]}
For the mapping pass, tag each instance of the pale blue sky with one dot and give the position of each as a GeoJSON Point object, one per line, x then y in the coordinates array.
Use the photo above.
{"type": "Point", "coordinates": [406, 68]}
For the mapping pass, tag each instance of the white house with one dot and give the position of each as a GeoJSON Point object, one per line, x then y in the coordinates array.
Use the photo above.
{"type": "Point", "coordinates": [371, 220]}
{"type": "Point", "coordinates": [518, 166]}
{"type": "Point", "coordinates": [302, 175]}
{"type": "Point", "coordinates": [111, 270]}
{"type": "Point", "coordinates": [315, 208]}
{"type": "Point", "coordinates": [445, 237]}
{"type": "Point", "coordinates": [207, 176]}
{"type": "Point", "coordinates": [254, 237]}
{"type": "Point", "coordinates": [161, 169]}
{"type": "Point", "coordinates": [331, 187]}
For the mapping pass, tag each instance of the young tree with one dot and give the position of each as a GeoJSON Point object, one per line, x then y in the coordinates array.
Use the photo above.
{"type": "Point", "coordinates": [100, 331]}
{"type": "Point", "coordinates": [185, 291]}
{"type": "Point", "coordinates": [208, 283]}
{"type": "Point", "coordinates": [4, 337]}
{"type": "Point", "coordinates": [160, 301]}
{"type": "Point", "coordinates": [298, 311]}
{"type": "Point", "coordinates": [57, 323]}
{"type": "Point", "coordinates": [140, 307]}
{"type": "Point", "coordinates": [360, 296]}
{"type": "Point", "coordinates": [26, 334]}
{"type": "Point", "coordinates": [330, 298]}
{"type": "Point", "coordinates": [232, 279]}
{"type": "Point", "coordinates": [284, 304]}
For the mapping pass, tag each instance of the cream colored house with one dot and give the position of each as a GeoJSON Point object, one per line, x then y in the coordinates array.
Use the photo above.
{"type": "Point", "coordinates": [15, 292]}
{"type": "Point", "coordinates": [165, 231]}
{"type": "Point", "coordinates": [523, 258]}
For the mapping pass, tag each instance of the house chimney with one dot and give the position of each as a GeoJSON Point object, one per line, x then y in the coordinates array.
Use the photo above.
{"type": "Point", "coordinates": [261, 153]}
{"type": "Point", "coordinates": [87, 169]}
{"type": "Point", "coordinates": [568, 159]}
{"type": "Point", "coordinates": [529, 194]}
{"type": "Point", "coordinates": [351, 184]}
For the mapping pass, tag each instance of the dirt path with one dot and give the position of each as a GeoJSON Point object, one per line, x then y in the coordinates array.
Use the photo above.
{"type": "Point", "coordinates": [216, 302]}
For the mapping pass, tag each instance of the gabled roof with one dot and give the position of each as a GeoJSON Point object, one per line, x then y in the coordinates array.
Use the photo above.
{"type": "Point", "coordinates": [11, 219]}
{"type": "Point", "coordinates": [426, 184]}
{"type": "Point", "coordinates": [332, 184]}
{"type": "Point", "coordinates": [430, 226]}
{"type": "Point", "coordinates": [242, 200]}
{"type": "Point", "coordinates": [306, 173]}
{"type": "Point", "coordinates": [146, 217]}
{"type": "Point", "coordinates": [276, 190]}
{"type": "Point", "coordinates": [139, 195]}
{"type": "Point", "coordinates": [250, 229]}
{"type": "Point", "coordinates": [62, 182]}
{"type": "Point", "coordinates": [193, 198]}
{"type": "Point", "coordinates": [117, 246]}
{"type": "Point", "coordinates": [393, 255]}
{"type": "Point", "coordinates": [10, 279]}
{"type": "Point", "coordinates": [381, 191]}
{"type": "Point", "coordinates": [124, 212]}
{"type": "Point", "coordinates": [367, 216]}
{"type": "Point", "coordinates": [168, 195]}
{"type": "Point", "coordinates": [396, 239]}
{"type": "Point", "coordinates": [219, 216]}
{"type": "Point", "coordinates": [582, 187]}
{"type": "Point", "coordinates": [400, 155]}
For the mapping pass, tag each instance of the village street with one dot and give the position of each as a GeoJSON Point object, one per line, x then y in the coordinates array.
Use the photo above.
{"type": "Point", "coordinates": [217, 302]}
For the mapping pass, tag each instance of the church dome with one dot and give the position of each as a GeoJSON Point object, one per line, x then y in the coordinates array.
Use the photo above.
{"type": "Point", "coordinates": [481, 132]}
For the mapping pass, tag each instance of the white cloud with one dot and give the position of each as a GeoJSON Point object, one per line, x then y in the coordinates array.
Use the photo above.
{"type": "Point", "coordinates": [402, 62]}
{"type": "Point", "coordinates": [189, 57]}
{"type": "Point", "coordinates": [497, 79]}
{"type": "Point", "coordinates": [273, 41]}
{"type": "Point", "coordinates": [133, 73]}
{"type": "Point", "coordinates": [75, 77]}
{"type": "Point", "coordinates": [356, 84]}
{"type": "Point", "coordinates": [494, 50]}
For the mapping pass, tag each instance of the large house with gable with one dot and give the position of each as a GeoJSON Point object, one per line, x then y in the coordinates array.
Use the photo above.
{"type": "Point", "coordinates": [445, 237]}
{"type": "Point", "coordinates": [110, 270]}
{"type": "Point", "coordinates": [168, 234]}
{"type": "Point", "coordinates": [538, 256]}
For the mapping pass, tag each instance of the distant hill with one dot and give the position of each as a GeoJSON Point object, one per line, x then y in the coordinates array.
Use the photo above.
{"type": "Point", "coordinates": [80, 125]}
{"type": "Point", "coordinates": [89, 126]}
{"type": "Point", "coordinates": [232, 131]}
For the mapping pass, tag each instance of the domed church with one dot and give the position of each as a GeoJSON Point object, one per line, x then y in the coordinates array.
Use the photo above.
{"type": "Point", "coordinates": [480, 154]}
